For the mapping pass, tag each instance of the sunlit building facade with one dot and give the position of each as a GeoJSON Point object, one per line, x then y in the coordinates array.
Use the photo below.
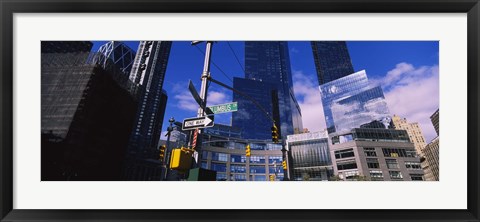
{"type": "Point", "coordinates": [431, 153]}
{"type": "Point", "coordinates": [413, 130]}
{"type": "Point", "coordinates": [351, 101]}
{"type": "Point", "coordinates": [309, 156]}
{"type": "Point", "coordinates": [375, 155]}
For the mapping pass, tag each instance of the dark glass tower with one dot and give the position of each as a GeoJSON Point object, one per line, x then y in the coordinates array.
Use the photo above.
{"type": "Point", "coordinates": [332, 60]}
{"type": "Point", "coordinates": [147, 75]}
{"type": "Point", "coordinates": [268, 64]}
{"type": "Point", "coordinates": [86, 115]}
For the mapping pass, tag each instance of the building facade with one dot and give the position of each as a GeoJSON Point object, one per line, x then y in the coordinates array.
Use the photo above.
{"type": "Point", "coordinates": [86, 115]}
{"type": "Point", "coordinates": [431, 153]}
{"type": "Point", "coordinates": [351, 101]}
{"type": "Point", "coordinates": [269, 62]}
{"type": "Point", "coordinates": [118, 52]}
{"type": "Point", "coordinates": [226, 156]}
{"type": "Point", "coordinates": [309, 156]}
{"type": "Point", "coordinates": [413, 130]}
{"type": "Point", "coordinates": [376, 155]}
{"type": "Point", "coordinates": [435, 118]}
{"type": "Point", "coordinates": [332, 60]}
{"type": "Point", "coordinates": [249, 117]}
{"type": "Point", "coordinates": [147, 76]}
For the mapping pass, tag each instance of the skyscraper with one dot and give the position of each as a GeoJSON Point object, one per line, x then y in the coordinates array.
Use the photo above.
{"type": "Point", "coordinates": [269, 63]}
{"type": "Point", "coordinates": [332, 60]}
{"type": "Point", "coordinates": [147, 75]}
{"type": "Point", "coordinates": [121, 55]}
{"type": "Point", "coordinates": [351, 101]}
{"type": "Point", "coordinates": [86, 115]}
{"type": "Point", "coordinates": [413, 130]}
{"type": "Point", "coordinates": [431, 158]}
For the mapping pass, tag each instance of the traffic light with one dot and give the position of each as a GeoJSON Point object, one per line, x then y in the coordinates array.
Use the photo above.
{"type": "Point", "coordinates": [274, 134]}
{"type": "Point", "coordinates": [272, 177]}
{"type": "Point", "coordinates": [247, 150]}
{"type": "Point", "coordinates": [163, 148]}
{"type": "Point", "coordinates": [284, 164]}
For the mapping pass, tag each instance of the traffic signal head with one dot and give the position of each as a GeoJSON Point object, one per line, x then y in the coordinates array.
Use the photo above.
{"type": "Point", "coordinates": [284, 164]}
{"type": "Point", "coordinates": [274, 134]}
{"type": "Point", "coordinates": [163, 148]}
{"type": "Point", "coordinates": [247, 150]}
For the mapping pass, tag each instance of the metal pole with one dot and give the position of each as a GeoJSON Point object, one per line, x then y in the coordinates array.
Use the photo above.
{"type": "Point", "coordinates": [169, 149]}
{"type": "Point", "coordinates": [203, 89]}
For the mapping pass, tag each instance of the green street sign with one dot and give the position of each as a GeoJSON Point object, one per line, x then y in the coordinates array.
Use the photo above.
{"type": "Point", "coordinates": [224, 108]}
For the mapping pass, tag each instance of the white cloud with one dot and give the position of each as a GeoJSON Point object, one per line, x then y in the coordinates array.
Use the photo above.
{"type": "Point", "coordinates": [413, 93]}
{"type": "Point", "coordinates": [185, 101]}
{"type": "Point", "coordinates": [309, 100]}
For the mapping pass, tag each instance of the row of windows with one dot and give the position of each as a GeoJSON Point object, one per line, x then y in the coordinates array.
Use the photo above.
{"type": "Point", "coordinates": [387, 152]}
{"type": "Point", "coordinates": [378, 175]}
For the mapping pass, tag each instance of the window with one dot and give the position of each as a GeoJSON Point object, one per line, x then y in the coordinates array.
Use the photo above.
{"type": "Point", "coordinates": [346, 165]}
{"type": "Point", "coordinates": [257, 159]}
{"type": "Point", "coordinates": [204, 165]}
{"type": "Point", "coordinates": [238, 158]}
{"type": "Point", "coordinates": [350, 175]}
{"type": "Point", "coordinates": [237, 168]}
{"type": "Point", "coordinates": [240, 177]}
{"type": "Point", "coordinates": [221, 176]}
{"type": "Point", "coordinates": [219, 157]}
{"type": "Point", "coordinates": [219, 167]}
{"type": "Point", "coordinates": [395, 174]}
{"type": "Point", "coordinates": [275, 159]}
{"type": "Point", "coordinates": [413, 165]}
{"type": "Point", "coordinates": [344, 153]}
{"type": "Point", "coordinates": [393, 152]}
{"type": "Point", "coordinates": [411, 153]}
{"type": "Point", "coordinates": [369, 151]}
{"type": "Point", "coordinates": [376, 175]}
{"type": "Point", "coordinates": [416, 176]}
{"type": "Point", "coordinates": [373, 163]}
{"type": "Point", "coordinates": [392, 163]}
{"type": "Point", "coordinates": [257, 169]}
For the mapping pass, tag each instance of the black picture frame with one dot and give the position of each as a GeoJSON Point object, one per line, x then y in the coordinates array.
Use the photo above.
{"type": "Point", "coordinates": [9, 7]}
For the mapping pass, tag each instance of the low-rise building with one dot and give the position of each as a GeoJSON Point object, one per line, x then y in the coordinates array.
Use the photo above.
{"type": "Point", "coordinates": [374, 154]}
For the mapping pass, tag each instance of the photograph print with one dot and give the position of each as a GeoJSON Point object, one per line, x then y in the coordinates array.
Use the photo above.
{"type": "Point", "coordinates": [269, 111]}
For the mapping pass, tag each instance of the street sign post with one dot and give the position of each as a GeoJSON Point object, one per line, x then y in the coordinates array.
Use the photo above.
{"type": "Point", "coordinates": [197, 122]}
{"type": "Point", "coordinates": [224, 108]}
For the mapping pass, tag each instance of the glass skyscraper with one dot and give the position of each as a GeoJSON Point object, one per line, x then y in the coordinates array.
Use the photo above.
{"type": "Point", "coordinates": [121, 55]}
{"type": "Point", "coordinates": [268, 64]}
{"type": "Point", "coordinates": [332, 60]}
{"type": "Point", "coordinates": [351, 101]}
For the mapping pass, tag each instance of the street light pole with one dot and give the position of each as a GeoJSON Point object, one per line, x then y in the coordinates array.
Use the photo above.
{"type": "Point", "coordinates": [169, 149]}
{"type": "Point", "coordinates": [203, 89]}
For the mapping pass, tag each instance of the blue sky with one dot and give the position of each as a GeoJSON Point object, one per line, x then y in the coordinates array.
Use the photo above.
{"type": "Point", "coordinates": [406, 70]}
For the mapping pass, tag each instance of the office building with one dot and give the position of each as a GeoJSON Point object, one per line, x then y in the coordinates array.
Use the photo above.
{"type": "Point", "coordinates": [309, 156]}
{"type": "Point", "coordinates": [65, 47]}
{"type": "Point", "coordinates": [435, 118]}
{"type": "Point", "coordinates": [414, 132]}
{"type": "Point", "coordinates": [332, 60]}
{"type": "Point", "coordinates": [86, 115]}
{"type": "Point", "coordinates": [118, 52]}
{"type": "Point", "coordinates": [431, 153]}
{"type": "Point", "coordinates": [147, 76]}
{"type": "Point", "coordinates": [267, 62]}
{"type": "Point", "coordinates": [375, 154]}
{"type": "Point", "coordinates": [254, 122]}
{"type": "Point", "coordinates": [351, 101]}
{"type": "Point", "coordinates": [226, 156]}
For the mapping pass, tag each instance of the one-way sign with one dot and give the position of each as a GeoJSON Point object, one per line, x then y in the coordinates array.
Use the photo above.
{"type": "Point", "coordinates": [197, 122]}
